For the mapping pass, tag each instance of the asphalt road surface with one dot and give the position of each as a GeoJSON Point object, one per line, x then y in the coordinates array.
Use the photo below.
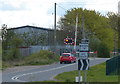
{"type": "Point", "coordinates": [44, 73]}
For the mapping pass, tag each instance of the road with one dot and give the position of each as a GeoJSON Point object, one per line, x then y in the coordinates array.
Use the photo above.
{"type": "Point", "coordinates": [45, 72]}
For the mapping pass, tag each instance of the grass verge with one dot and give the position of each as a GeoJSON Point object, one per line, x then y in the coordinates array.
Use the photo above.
{"type": "Point", "coordinates": [95, 74]}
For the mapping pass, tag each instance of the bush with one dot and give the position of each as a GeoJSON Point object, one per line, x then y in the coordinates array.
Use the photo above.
{"type": "Point", "coordinates": [103, 51]}
{"type": "Point", "coordinates": [12, 54]}
{"type": "Point", "coordinates": [97, 45]}
{"type": "Point", "coordinates": [41, 58]}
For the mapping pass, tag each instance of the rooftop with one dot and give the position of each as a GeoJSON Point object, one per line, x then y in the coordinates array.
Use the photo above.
{"type": "Point", "coordinates": [28, 26]}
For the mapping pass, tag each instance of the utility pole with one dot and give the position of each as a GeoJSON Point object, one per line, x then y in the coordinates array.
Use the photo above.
{"type": "Point", "coordinates": [55, 28]}
{"type": "Point", "coordinates": [83, 32]}
{"type": "Point", "coordinates": [76, 32]}
{"type": "Point", "coordinates": [114, 44]}
{"type": "Point", "coordinates": [85, 71]}
{"type": "Point", "coordinates": [75, 43]}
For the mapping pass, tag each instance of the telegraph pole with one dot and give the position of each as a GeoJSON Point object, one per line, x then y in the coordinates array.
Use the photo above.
{"type": "Point", "coordinates": [76, 32]}
{"type": "Point", "coordinates": [83, 32]}
{"type": "Point", "coordinates": [75, 43]}
{"type": "Point", "coordinates": [55, 27]}
{"type": "Point", "coordinates": [85, 71]}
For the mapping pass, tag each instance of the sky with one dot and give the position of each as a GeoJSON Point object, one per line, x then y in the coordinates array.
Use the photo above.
{"type": "Point", "coordinates": [16, 13]}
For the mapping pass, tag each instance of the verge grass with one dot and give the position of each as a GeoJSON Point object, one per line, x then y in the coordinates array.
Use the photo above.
{"type": "Point", "coordinates": [95, 74]}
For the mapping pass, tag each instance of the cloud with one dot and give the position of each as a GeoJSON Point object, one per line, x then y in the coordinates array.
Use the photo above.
{"type": "Point", "coordinates": [32, 12]}
{"type": "Point", "coordinates": [16, 13]}
{"type": "Point", "coordinates": [102, 6]}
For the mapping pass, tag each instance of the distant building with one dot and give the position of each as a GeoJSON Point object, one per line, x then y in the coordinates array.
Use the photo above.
{"type": "Point", "coordinates": [36, 34]}
{"type": "Point", "coordinates": [25, 29]}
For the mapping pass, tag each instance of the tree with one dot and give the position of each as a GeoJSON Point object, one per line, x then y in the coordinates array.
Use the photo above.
{"type": "Point", "coordinates": [7, 36]}
{"type": "Point", "coordinates": [114, 21]}
{"type": "Point", "coordinates": [95, 25]}
{"type": "Point", "coordinates": [10, 44]}
{"type": "Point", "coordinates": [4, 32]}
{"type": "Point", "coordinates": [119, 33]}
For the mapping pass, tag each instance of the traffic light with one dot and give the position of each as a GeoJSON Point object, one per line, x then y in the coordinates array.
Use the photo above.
{"type": "Point", "coordinates": [68, 41]}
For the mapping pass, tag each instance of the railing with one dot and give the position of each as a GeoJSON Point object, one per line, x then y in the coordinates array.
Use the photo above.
{"type": "Point", "coordinates": [113, 66]}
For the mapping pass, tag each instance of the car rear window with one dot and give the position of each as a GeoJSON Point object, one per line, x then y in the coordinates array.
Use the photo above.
{"type": "Point", "coordinates": [65, 55]}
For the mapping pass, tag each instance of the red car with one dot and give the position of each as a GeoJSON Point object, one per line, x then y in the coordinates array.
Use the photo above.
{"type": "Point", "coordinates": [67, 57]}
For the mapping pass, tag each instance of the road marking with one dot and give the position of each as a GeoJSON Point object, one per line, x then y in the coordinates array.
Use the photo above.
{"type": "Point", "coordinates": [16, 78]}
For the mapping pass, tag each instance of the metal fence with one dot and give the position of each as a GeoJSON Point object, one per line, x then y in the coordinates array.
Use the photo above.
{"type": "Point", "coordinates": [24, 51]}
{"type": "Point", "coordinates": [113, 66]}
{"type": "Point", "coordinates": [59, 49]}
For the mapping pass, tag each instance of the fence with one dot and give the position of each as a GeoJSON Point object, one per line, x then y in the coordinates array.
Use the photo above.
{"type": "Point", "coordinates": [113, 66]}
{"type": "Point", "coordinates": [59, 50]}
{"type": "Point", "coordinates": [26, 51]}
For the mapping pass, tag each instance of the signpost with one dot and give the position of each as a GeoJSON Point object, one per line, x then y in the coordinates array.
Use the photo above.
{"type": "Point", "coordinates": [83, 62]}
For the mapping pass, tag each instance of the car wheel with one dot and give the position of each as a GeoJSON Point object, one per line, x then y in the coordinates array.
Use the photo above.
{"type": "Point", "coordinates": [60, 62]}
{"type": "Point", "coordinates": [70, 62]}
{"type": "Point", "coordinates": [74, 61]}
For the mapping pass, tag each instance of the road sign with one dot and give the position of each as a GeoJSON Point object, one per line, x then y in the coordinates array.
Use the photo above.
{"type": "Point", "coordinates": [84, 47]}
{"type": "Point", "coordinates": [85, 41]}
{"type": "Point", "coordinates": [83, 55]}
{"type": "Point", "coordinates": [83, 64]}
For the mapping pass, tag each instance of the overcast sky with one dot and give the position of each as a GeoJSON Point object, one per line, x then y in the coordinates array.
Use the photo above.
{"type": "Point", "coordinates": [40, 13]}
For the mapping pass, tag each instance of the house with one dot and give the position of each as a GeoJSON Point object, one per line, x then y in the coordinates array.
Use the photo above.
{"type": "Point", "coordinates": [38, 38]}
{"type": "Point", "coordinates": [35, 35]}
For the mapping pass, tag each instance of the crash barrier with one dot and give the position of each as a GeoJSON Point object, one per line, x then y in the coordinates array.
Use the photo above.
{"type": "Point", "coordinates": [113, 66]}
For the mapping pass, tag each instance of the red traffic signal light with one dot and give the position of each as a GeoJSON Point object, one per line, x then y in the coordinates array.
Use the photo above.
{"type": "Point", "coordinates": [68, 41]}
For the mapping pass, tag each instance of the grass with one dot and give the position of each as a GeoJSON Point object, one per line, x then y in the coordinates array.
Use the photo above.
{"type": "Point", "coordinates": [95, 74]}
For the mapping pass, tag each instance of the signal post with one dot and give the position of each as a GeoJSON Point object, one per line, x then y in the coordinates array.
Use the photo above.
{"type": "Point", "coordinates": [83, 61]}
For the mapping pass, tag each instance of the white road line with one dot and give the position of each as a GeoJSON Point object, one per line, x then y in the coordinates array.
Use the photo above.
{"type": "Point", "coordinates": [16, 78]}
